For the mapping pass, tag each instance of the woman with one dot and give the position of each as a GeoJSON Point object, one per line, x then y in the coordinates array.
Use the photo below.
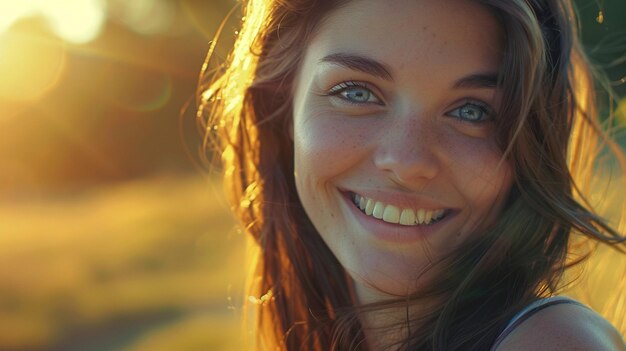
{"type": "Point", "coordinates": [412, 172]}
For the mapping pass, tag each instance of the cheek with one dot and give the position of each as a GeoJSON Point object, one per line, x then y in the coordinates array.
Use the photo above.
{"type": "Point", "coordinates": [481, 176]}
{"type": "Point", "coordinates": [325, 145]}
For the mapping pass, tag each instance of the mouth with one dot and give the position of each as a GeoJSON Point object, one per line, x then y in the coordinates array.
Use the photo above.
{"type": "Point", "coordinates": [398, 215]}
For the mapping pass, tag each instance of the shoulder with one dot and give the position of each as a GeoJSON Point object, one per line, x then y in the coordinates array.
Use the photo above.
{"type": "Point", "coordinates": [564, 327]}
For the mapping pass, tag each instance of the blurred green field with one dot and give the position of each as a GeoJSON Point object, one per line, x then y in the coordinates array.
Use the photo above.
{"type": "Point", "coordinates": [142, 265]}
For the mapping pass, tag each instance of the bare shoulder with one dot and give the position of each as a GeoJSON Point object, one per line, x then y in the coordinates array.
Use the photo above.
{"type": "Point", "coordinates": [564, 327]}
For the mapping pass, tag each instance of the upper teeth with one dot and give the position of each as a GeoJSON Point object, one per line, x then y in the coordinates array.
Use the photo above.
{"type": "Point", "coordinates": [393, 214]}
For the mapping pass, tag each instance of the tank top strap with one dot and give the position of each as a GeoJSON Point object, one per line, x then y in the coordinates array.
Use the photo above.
{"type": "Point", "coordinates": [529, 311]}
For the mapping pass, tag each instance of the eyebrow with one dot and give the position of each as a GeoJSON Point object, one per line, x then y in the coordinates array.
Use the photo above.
{"type": "Point", "coordinates": [359, 63]}
{"type": "Point", "coordinates": [381, 70]}
{"type": "Point", "coordinates": [479, 80]}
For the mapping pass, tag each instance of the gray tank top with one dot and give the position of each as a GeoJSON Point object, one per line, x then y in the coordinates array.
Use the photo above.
{"type": "Point", "coordinates": [530, 310]}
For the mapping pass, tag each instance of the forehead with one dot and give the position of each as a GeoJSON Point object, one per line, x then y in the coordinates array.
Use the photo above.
{"type": "Point", "coordinates": [413, 36]}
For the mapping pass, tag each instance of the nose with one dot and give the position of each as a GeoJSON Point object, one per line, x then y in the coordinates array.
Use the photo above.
{"type": "Point", "coordinates": [407, 151]}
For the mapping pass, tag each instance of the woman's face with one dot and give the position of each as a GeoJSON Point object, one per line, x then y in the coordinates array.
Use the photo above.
{"type": "Point", "coordinates": [396, 161]}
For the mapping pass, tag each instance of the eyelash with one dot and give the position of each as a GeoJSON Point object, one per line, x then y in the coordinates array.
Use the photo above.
{"type": "Point", "coordinates": [483, 107]}
{"type": "Point", "coordinates": [342, 87]}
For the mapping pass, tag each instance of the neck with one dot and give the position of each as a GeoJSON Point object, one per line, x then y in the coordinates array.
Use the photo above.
{"type": "Point", "coordinates": [390, 326]}
{"type": "Point", "coordinates": [386, 329]}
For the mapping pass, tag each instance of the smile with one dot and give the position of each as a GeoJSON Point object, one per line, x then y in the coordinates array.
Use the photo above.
{"type": "Point", "coordinates": [396, 215]}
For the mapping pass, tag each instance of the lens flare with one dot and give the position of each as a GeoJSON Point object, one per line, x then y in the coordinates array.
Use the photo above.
{"type": "Point", "coordinates": [76, 21]}
{"type": "Point", "coordinates": [11, 13]}
{"type": "Point", "coordinates": [30, 66]}
{"type": "Point", "coordinates": [136, 88]}
{"type": "Point", "coordinates": [146, 17]}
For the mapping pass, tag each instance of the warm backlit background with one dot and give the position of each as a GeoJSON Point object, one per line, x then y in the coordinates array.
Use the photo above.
{"type": "Point", "coordinates": [111, 235]}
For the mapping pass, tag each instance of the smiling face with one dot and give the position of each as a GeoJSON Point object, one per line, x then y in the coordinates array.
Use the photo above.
{"type": "Point", "coordinates": [396, 160]}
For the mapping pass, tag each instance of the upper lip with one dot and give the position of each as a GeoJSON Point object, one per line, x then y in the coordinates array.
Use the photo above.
{"type": "Point", "coordinates": [399, 199]}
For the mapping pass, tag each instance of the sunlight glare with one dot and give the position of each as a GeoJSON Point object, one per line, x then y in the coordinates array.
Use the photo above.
{"type": "Point", "coordinates": [146, 17]}
{"type": "Point", "coordinates": [30, 66]}
{"type": "Point", "coordinates": [10, 13]}
{"type": "Point", "coordinates": [76, 21]}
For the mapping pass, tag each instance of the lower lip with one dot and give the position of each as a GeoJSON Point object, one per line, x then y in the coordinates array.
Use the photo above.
{"type": "Point", "coordinates": [392, 232]}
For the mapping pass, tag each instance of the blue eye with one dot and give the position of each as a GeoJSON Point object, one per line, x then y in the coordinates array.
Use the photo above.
{"type": "Point", "coordinates": [357, 94]}
{"type": "Point", "coordinates": [472, 112]}
{"type": "Point", "coordinates": [354, 92]}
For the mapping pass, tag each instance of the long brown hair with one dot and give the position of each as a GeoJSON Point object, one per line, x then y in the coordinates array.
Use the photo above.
{"type": "Point", "coordinates": [551, 136]}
